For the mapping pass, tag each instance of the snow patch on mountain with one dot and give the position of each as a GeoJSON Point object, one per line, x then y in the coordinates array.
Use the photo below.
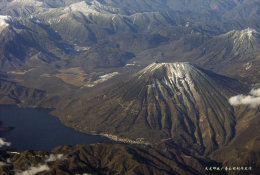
{"type": "Point", "coordinates": [5, 21]}
{"type": "Point", "coordinates": [173, 70]}
{"type": "Point", "coordinates": [244, 41]}
{"type": "Point", "coordinates": [247, 33]}
{"type": "Point", "coordinates": [243, 35]}
{"type": "Point", "coordinates": [178, 70]}
{"type": "Point", "coordinates": [36, 20]}
{"type": "Point", "coordinates": [26, 3]}
{"type": "Point", "coordinates": [82, 7]}
{"type": "Point", "coordinates": [180, 77]}
{"type": "Point", "coordinates": [102, 79]}
{"type": "Point", "coordinates": [247, 65]}
{"type": "Point", "coordinates": [93, 7]}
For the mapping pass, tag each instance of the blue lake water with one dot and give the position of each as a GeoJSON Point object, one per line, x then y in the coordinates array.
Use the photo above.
{"type": "Point", "coordinates": [36, 129]}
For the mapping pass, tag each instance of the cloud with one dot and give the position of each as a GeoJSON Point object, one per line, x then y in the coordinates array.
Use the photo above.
{"type": "Point", "coordinates": [4, 143]}
{"type": "Point", "coordinates": [2, 163]}
{"type": "Point", "coordinates": [255, 92]}
{"type": "Point", "coordinates": [40, 167]}
{"type": "Point", "coordinates": [53, 157]}
{"type": "Point", "coordinates": [253, 99]}
{"type": "Point", "coordinates": [34, 170]}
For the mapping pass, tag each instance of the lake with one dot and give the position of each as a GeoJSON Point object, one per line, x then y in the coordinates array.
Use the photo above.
{"type": "Point", "coordinates": [36, 129]}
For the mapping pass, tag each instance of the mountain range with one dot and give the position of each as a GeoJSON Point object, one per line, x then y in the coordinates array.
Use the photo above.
{"type": "Point", "coordinates": [73, 33]}
{"type": "Point", "coordinates": [155, 75]}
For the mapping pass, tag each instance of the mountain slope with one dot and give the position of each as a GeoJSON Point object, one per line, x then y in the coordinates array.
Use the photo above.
{"type": "Point", "coordinates": [102, 158]}
{"type": "Point", "coordinates": [175, 101]}
{"type": "Point", "coordinates": [87, 23]}
{"type": "Point", "coordinates": [29, 43]}
{"type": "Point", "coordinates": [12, 93]}
{"type": "Point", "coordinates": [244, 148]}
{"type": "Point", "coordinates": [234, 53]}
{"type": "Point", "coordinates": [239, 44]}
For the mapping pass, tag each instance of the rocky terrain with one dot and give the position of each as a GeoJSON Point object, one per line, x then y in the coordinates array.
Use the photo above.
{"type": "Point", "coordinates": [175, 82]}
{"type": "Point", "coordinates": [101, 158]}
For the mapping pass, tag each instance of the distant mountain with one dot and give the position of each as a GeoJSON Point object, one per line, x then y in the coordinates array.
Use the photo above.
{"type": "Point", "coordinates": [19, 7]}
{"type": "Point", "coordinates": [28, 43]}
{"type": "Point", "coordinates": [92, 19]}
{"type": "Point", "coordinates": [87, 23]}
{"type": "Point", "coordinates": [234, 44]}
{"type": "Point", "coordinates": [174, 101]}
{"type": "Point", "coordinates": [245, 41]}
{"type": "Point", "coordinates": [136, 27]}
{"type": "Point", "coordinates": [234, 53]}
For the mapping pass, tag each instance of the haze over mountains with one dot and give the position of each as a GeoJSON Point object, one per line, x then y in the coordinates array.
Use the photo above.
{"type": "Point", "coordinates": [158, 73]}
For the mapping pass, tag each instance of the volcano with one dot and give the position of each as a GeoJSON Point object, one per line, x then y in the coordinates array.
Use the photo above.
{"type": "Point", "coordinates": [165, 101]}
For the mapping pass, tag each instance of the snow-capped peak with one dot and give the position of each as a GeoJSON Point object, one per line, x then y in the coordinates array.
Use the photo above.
{"type": "Point", "coordinates": [93, 7]}
{"type": "Point", "coordinates": [177, 67]}
{"type": "Point", "coordinates": [171, 71]}
{"type": "Point", "coordinates": [247, 33]}
{"type": "Point", "coordinates": [82, 7]}
{"type": "Point", "coordinates": [181, 78]}
{"type": "Point", "coordinates": [244, 41]}
{"type": "Point", "coordinates": [241, 36]}
{"type": "Point", "coordinates": [5, 21]}
{"type": "Point", "coordinates": [26, 3]}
